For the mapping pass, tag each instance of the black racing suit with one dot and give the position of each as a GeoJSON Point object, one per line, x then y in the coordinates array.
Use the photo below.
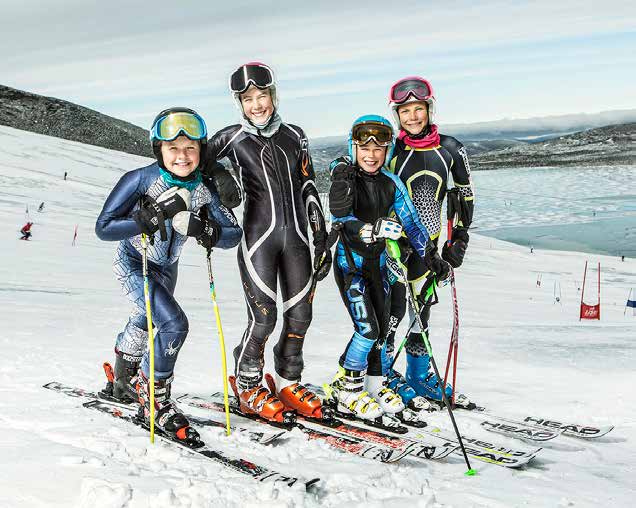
{"type": "Point", "coordinates": [425, 173]}
{"type": "Point", "coordinates": [280, 198]}
{"type": "Point", "coordinates": [360, 268]}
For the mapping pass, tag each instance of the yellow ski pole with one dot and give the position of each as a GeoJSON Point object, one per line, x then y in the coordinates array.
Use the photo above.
{"type": "Point", "coordinates": [221, 342]}
{"type": "Point", "coordinates": [151, 337]}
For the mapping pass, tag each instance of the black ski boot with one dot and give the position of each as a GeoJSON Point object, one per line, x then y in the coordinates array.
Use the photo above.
{"type": "Point", "coordinates": [169, 420]}
{"type": "Point", "coordinates": [122, 379]}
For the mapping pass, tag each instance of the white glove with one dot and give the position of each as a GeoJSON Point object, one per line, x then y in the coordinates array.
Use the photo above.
{"type": "Point", "coordinates": [382, 229]}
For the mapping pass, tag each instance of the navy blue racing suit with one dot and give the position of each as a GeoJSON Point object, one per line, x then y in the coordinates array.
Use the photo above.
{"type": "Point", "coordinates": [115, 223]}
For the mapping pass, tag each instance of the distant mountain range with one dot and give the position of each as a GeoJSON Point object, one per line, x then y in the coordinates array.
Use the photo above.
{"type": "Point", "coordinates": [592, 139]}
{"type": "Point", "coordinates": [603, 146]}
{"type": "Point", "coordinates": [62, 119]}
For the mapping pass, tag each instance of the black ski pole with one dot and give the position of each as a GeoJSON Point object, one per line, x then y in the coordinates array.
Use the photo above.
{"type": "Point", "coordinates": [393, 249]}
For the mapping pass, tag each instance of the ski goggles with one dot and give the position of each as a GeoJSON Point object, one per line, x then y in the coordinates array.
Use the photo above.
{"type": "Point", "coordinates": [412, 86]}
{"type": "Point", "coordinates": [362, 133]}
{"type": "Point", "coordinates": [173, 125]}
{"type": "Point", "coordinates": [254, 73]}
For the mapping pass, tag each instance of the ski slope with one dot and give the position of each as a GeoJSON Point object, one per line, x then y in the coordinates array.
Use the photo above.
{"type": "Point", "coordinates": [520, 352]}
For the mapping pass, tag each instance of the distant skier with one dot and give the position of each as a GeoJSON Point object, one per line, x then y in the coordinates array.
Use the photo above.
{"type": "Point", "coordinates": [41, 207]}
{"type": "Point", "coordinates": [363, 198]}
{"type": "Point", "coordinates": [169, 203]}
{"type": "Point", "coordinates": [26, 231]}
{"type": "Point", "coordinates": [281, 200]}
{"type": "Point", "coordinates": [65, 174]}
{"type": "Point", "coordinates": [425, 160]}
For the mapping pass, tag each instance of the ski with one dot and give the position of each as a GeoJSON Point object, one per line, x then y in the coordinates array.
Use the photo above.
{"type": "Point", "coordinates": [519, 431]}
{"type": "Point", "coordinates": [347, 444]}
{"type": "Point", "coordinates": [259, 473]}
{"type": "Point", "coordinates": [418, 449]}
{"type": "Point", "coordinates": [484, 451]}
{"type": "Point", "coordinates": [577, 430]}
{"type": "Point", "coordinates": [263, 438]}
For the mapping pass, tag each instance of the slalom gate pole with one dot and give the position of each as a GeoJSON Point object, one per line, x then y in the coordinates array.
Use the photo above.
{"type": "Point", "coordinates": [217, 315]}
{"type": "Point", "coordinates": [151, 336]}
{"type": "Point", "coordinates": [393, 249]}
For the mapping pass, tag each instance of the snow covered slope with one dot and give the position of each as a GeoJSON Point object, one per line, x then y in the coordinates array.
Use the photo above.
{"type": "Point", "coordinates": [520, 352]}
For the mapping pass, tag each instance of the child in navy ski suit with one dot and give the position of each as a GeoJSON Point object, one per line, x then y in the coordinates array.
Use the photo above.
{"type": "Point", "coordinates": [168, 202]}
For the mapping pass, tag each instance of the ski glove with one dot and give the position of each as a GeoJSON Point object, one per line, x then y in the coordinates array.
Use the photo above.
{"type": "Point", "coordinates": [200, 226]}
{"type": "Point", "coordinates": [384, 228]}
{"type": "Point", "coordinates": [341, 192]}
{"type": "Point", "coordinates": [226, 186]}
{"type": "Point", "coordinates": [435, 264]}
{"type": "Point", "coordinates": [322, 265]}
{"type": "Point", "coordinates": [454, 253]}
{"type": "Point", "coordinates": [152, 213]}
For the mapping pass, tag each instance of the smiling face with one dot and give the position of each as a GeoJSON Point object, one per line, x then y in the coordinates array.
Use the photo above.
{"type": "Point", "coordinates": [413, 117]}
{"type": "Point", "coordinates": [181, 156]}
{"type": "Point", "coordinates": [370, 156]}
{"type": "Point", "coordinates": [257, 105]}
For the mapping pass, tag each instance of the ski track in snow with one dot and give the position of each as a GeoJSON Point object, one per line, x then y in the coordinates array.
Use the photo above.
{"type": "Point", "coordinates": [520, 352]}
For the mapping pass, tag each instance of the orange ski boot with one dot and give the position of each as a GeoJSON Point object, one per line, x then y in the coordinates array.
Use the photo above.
{"type": "Point", "coordinates": [260, 402]}
{"type": "Point", "coordinates": [299, 398]}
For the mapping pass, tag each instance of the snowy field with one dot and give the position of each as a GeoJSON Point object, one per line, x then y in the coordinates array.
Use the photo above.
{"type": "Point", "coordinates": [520, 352]}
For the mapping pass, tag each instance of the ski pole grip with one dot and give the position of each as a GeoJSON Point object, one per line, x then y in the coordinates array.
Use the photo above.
{"type": "Point", "coordinates": [393, 248]}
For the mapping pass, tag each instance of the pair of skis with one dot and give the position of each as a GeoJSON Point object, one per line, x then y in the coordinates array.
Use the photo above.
{"type": "Point", "coordinates": [128, 413]}
{"type": "Point", "coordinates": [433, 445]}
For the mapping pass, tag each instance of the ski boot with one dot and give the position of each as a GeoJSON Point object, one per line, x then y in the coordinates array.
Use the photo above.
{"type": "Point", "coordinates": [413, 401]}
{"type": "Point", "coordinates": [347, 396]}
{"type": "Point", "coordinates": [297, 397]}
{"type": "Point", "coordinates": [169, 420]}
{"type": "Point", "coordinates": [423, 381]}
{"type": "Point", "coordinates": [258, 401]}
{"type": "Point", "coordinates": [390, 401]}
{"type": "Point", "coordinates": [121, 381]}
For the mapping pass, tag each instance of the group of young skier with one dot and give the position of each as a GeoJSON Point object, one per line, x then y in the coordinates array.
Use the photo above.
{"type": "Point", "coordinates": [386, 188]}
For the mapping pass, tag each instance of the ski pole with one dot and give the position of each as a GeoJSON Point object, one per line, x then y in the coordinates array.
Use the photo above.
{"type": "Point", "coordinates": [393, 249]}
{"type": "Point", "coordinates": [151, 336]}
{"type": "Point", "coordinates": [429, 293]}
{"type": "Point", "coordinates": [454, 341]}
{"type": "Point", "coordinates": [226, 400]}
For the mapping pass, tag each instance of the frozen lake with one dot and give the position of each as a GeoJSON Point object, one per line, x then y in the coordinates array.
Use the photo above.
{"type": "Point", "coordinates": [580, 209]}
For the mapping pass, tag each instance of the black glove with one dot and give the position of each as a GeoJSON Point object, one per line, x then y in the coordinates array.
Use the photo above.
{"type": "Point", "coordinates": [435, 264]}
{"type": "Point", "coordinates": [454, 253]}
{"type": "Point", "coordinates": [151, 214]}
{"type": "Point", "coordinates": [321, 265]}
{"type": "Point", "coordinates": [200, 226]}
{"type": "Point", "coordinates": [224, 183]}
{"type": "Point", "coordinates": [341, 192]}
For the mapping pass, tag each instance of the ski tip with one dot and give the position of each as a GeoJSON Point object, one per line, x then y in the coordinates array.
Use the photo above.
{"type": "Point", "coordinates": [470, 472]}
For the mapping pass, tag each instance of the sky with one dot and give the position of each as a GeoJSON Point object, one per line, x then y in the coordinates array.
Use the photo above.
{"type": "Point", "coordinates": [334, 61]}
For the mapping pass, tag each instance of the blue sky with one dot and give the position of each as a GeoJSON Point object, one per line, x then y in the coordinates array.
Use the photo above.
{"type": "Point", "coordinates": [334, 61]}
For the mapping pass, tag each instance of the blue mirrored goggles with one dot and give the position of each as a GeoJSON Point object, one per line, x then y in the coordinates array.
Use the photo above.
{"type": "Point", "coordinates": [173, 125]}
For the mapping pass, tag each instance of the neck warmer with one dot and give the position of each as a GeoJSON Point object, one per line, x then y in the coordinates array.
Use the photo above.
{"type": "Point", "coordinates": [189, 182]}
{"type": "Point", "coordinates": [428, 140]}
{"type": "Point", "coordinates": [267, 130]}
